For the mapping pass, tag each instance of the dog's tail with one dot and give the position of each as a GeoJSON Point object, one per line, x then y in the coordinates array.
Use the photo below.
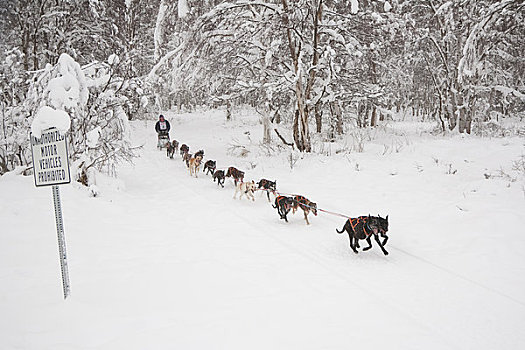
{"type": "Point", "coordinates": [342, 230]}
{"type": "Point", "coordinates": [274, 206]}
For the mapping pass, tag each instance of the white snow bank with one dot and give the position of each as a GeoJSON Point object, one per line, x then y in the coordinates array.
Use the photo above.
{"type": "Point", "coordinates": [48, 117]}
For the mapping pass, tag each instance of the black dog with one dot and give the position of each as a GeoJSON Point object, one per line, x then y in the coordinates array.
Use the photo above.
{"type": "Point", "coordinates": [269, 186]}
{"type": "Point", "coordinates": [364, 227]}
{"type": "Point", "coordinates": [219, 175]}
{"type": "Point", "coordinates": [210, 165]}
{"type": "Point", "coordinates": [170, 150]}
{"type": "Point", "coordinates": [283, 205]}
{"type": "Point", "coordinates": [199, 153]}
{"type": "Point", "coordinates": [184, 149]}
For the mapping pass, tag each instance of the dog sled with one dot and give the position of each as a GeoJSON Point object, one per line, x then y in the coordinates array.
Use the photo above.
{"type": "Point", "coordinates": [163, 140]}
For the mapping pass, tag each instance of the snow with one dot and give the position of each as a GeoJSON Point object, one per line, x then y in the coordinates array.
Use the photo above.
{"type": "Point", "coordinates": [170, 261]}
{"type": "Point", "coordinates": [48, 117]}
{"type": "Point", "coordinates": [113, 59]}
{"type": "Point", "coordinates": [354, 6]}
{"type": "Point", "coordinates": [68, 89]}
{"type": "Point", "coordinates": [183, 8]}
{"type": "Point", "coordinates": [387, 7]}
{"type": "Point", "coordinates": [92, 137]}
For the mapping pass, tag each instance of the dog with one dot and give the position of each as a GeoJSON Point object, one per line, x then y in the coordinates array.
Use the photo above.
{"type": "Point", "coordinates": [236, 174]}
{"type": "Point", "coordinates": [283, 205]}
{"type": "Point", "coordinates": [219, 175]}
{"type": "Point", "coordinates": [305, 205]}
{"type": "Point", "coordinates": [246, 188]}
{"type": "Point", "coordinates": [184, 149]}
{"type": "Point", "coordinates": [200, 153]}
{"type": "Point", "coordinates": [186, 158]}
{"type": "Point", "coordinates": [193, 165]}
{"type": "Point", "coordinates": [364, 227]}
{"type": "Point", "coordinates": [210, 165]}
{"type": "Point", "coordinates": [268, 186]}
{"type": "Point", "coordinates": [170, 150]}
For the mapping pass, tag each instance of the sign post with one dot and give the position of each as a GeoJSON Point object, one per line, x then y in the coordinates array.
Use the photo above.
{"type": "Point", "coordinates": [51, 168]}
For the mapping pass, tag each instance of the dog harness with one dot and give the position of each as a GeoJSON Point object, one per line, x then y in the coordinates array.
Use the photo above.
{"type": "Point", "coordinates": [364, 219]}
{"type": "Point", "coordinates": [287, 205]}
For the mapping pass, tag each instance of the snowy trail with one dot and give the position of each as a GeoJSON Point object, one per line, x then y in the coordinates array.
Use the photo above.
{"type": "Point", "coordinates": [254, 220]}
{"type": "Point", "coordinates": [445, 281]}
{"type": "Point", "coordinates": [174, 261]}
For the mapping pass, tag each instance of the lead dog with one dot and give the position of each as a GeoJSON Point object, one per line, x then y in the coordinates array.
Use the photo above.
{"type": "Point", "coordinates": [364, 227]}
{"type": "Point", "coordinates": [246, 188]}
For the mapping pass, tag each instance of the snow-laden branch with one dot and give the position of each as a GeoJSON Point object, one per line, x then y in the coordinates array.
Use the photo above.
{"type": "Point", "coordinates": [152, 76]}
{"type": "Point", "coordinates": [467, 65]}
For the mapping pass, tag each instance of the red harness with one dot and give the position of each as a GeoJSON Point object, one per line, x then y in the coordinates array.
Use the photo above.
{"type": "Point", "coordinates": [362, 219]}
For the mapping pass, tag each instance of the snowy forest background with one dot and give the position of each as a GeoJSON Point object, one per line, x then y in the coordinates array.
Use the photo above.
{"type": "Point", "coordinates": [320, 67]}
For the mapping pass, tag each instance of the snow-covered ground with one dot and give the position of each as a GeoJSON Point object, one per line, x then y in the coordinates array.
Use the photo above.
{"type": "Point", "coordinates": [160, 260]}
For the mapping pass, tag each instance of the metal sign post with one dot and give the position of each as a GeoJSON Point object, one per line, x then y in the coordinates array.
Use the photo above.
{"type": "Point", "coordinates": [51, 168]}
{"type": "Point", "coordinates": [61, 241]}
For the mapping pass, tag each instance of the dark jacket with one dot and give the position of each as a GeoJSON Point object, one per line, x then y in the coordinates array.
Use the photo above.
{"type": "Point", "coordinates": [165, 130]}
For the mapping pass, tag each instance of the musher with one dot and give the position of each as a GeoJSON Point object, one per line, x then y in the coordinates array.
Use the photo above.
{"type": "Point", "coordinates": [162, 127]}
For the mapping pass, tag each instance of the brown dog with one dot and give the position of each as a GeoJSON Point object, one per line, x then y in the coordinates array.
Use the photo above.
{"type": "Point", "coordinates": [305, 205]}
{"type": "Point", "coordinates": [236, 174]}
{"type": "Point", "coordinates": [193, 165]}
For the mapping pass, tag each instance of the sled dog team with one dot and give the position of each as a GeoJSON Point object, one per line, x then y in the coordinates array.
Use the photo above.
{"type": "Point", "coordinates": [360, 228]}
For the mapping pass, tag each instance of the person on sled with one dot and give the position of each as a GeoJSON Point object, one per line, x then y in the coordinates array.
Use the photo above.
{"type": "Point", "coordinates": [162, 127]}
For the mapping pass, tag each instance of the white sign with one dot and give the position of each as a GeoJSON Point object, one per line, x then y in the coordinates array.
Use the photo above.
{"type": "Point", "coordinates": [50, 161]}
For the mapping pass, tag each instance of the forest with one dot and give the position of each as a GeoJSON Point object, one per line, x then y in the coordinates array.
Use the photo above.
{"type": "Point", "coordinates": [318, 66]}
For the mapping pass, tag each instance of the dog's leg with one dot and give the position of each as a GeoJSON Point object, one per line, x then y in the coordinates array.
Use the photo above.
{"type": "Point", "coordinates": [376, 237]}
{"type": "Point", "coordinates": [385, 239]}
{"type": "Point", "coordinates": [306, 217]}
{"type": "Point", "coordinates": [368, 240]}
{"type": "Point", "coordinates": [352, 245]}
{"type": "Point", "coordinates": [285, 213]}
{"type": "Point", "coordinates": [279, 211]}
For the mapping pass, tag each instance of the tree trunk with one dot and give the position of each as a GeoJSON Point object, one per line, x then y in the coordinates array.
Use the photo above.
{"type": "Point", "coordinates": [228, 110]}
{"type": "Point", "coordinates": [336, 110]}
{"type": "Point", "coordinates": [318, 117]}
{"type": "Point", "coordinates": [267, 138]}
{"type": "Point", "coordinates": [373, 119]}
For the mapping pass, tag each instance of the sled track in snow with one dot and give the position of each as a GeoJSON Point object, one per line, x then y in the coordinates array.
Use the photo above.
{"type": "Point", "coordinates": [457, 275]}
